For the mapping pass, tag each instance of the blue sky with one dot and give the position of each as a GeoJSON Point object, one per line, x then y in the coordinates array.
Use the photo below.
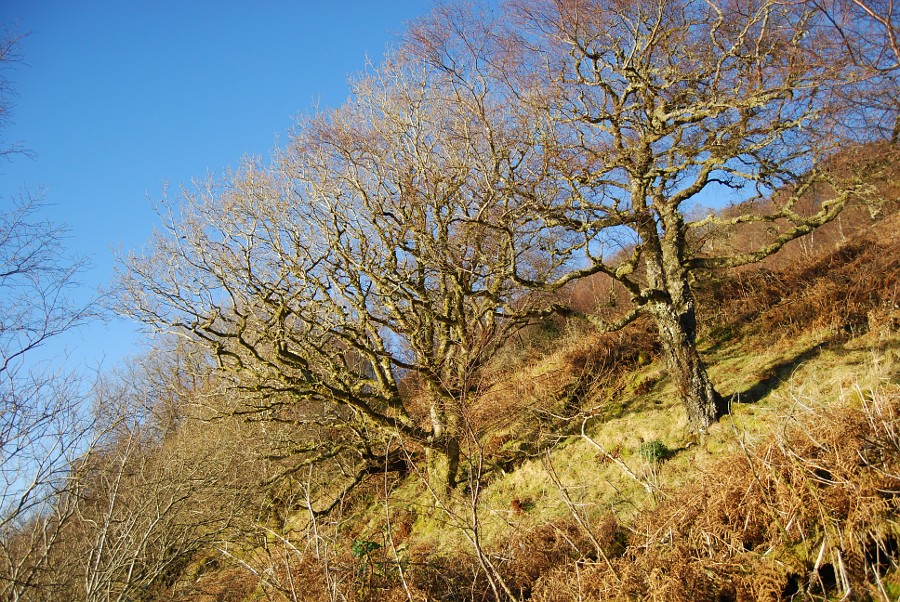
{"type": "Point", "coordinates": [115, 98]}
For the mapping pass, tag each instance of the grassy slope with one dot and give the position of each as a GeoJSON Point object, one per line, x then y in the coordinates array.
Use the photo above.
{"type": "Point", "coordinates": [556, 513]}
{"type": "Point", "coordinates": [816, 346]}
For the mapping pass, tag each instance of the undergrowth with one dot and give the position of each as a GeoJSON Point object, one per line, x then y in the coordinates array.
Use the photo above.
{"type": "Point", "coordinates": [584, 483]}
{"type": "Point", "coordinates": [809, 513]}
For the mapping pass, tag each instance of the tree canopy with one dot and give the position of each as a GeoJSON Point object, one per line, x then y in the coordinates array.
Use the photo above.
{"type": "Point", "coordinates": [366, 276]}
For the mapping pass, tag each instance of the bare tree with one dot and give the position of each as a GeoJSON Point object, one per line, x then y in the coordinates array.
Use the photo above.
{"type": "Point", "coordinates": [139, 521]}
{"type": "Point", "coordinates": [42, 423]}
{"type": "Point", "coordinates": [358, 286]}
{"type": "Point", "coordinates": [10, 43]}
{"type": "Point", "coordinates": [146, 498]}
{"type": "Point", "coordinates": [363, 278]}
{"type": "Point", "coordinates": [647, 109]}
{"type": "Point", "coordinates": [868, 31]}
{"type": "Point", "coordinates": [40, 420]}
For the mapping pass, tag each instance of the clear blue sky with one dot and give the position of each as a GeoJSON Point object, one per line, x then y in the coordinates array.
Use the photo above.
{"type": "Point", "coordinates": [117, 97]}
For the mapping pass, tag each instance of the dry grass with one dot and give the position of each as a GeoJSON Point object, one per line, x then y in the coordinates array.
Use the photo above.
{"type": "Point", "coordinates": [793, 496]}
{"type": "Point", "coordinates": [811, 512]}
{"type": "Point", "coordinates": [532, 408]}
{"type": "Point", "coordinates": [849, 290]}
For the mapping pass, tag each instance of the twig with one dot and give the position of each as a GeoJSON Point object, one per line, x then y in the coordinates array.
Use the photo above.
{"type": "Point", "coordinates": [387, 514]}
{"type": "Point", "coordinates": [614, 459]}
{"type": "Point", "coordinates": [564, 493]}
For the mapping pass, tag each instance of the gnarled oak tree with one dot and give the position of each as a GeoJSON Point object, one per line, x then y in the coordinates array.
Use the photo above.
{"type": "Point", "coordinates": [647, 110]}
{"type": "Point", "coordinates": [365, 274]}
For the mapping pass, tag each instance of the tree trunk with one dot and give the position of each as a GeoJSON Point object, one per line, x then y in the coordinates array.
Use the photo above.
{"type": "Point", "coordinates": [442, 458]}
{"type": "Point", "coordinates": [443, 468]}
{"type": "Point", "coordinates": [895, 134]}
{"type": "Point", "coordinates": [672, 305]}
{"type": "Point", "coordinates": [678, 337]}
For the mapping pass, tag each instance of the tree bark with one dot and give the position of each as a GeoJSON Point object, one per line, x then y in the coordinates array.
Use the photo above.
{"type": "Point", "coordinates": [442, 459]}
{"type": "Point", "coordinates": [678, 338]}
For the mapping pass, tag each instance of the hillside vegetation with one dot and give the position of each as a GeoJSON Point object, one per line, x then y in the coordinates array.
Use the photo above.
{"type": "Point", "coordinates": [585, 482]}
{"type": "Point", "coordinates": [571, 300]}
{"type": "Point", "coordinates": [581, 477]}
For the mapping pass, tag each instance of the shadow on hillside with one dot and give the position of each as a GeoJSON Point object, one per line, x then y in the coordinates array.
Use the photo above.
{"type": "Point", "coordinates": [776, 374]}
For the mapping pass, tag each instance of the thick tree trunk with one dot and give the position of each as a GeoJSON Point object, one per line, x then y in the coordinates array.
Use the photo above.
{"type": "Point", "coordinates": [671, 302]}
{"type": "Point", "coordinates": [443, 468]}
{"type": "Point", "coordinates": [442, 458]}
{"type": "Point", "coordinates": [678, 338]}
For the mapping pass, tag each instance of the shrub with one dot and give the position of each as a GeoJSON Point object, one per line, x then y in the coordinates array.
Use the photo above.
{"type": "Point", "coordinates": [654, 451]}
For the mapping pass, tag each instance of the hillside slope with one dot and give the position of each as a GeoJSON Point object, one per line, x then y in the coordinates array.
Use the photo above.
{"type": "Point", "coordinates": [586, 484]}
